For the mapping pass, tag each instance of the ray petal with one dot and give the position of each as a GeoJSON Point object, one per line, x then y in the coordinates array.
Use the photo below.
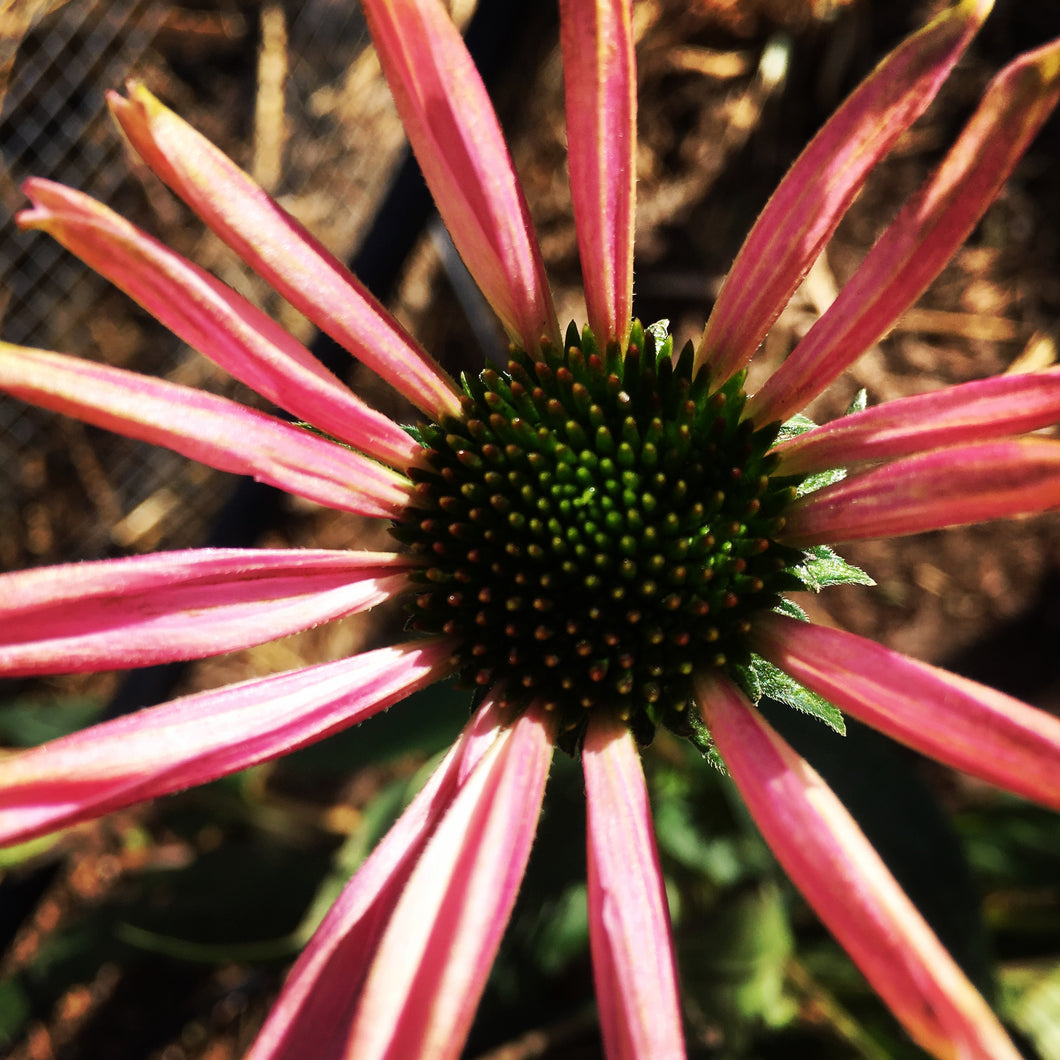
{"type": "Point", "coordinates": [201, 737]}
{"type": "Point", "coordinates": [811, 200]}
{"type": "Point", "coordinates": [829, 859]}
{"type": "Point", "coordinates": [923, 237]}
{"type": "Point", "coordinates": [213, 430]}
{"type": "Point", "coordinates": [629, 924]}
{"type": "Point", "coordinates": [459, 145]}
{"type": "Point", "coordinates": [946, 487]}
{"type": "Point", "coordinates": [143, 610]}
{"type": "Point", "coordinates": [210, 316]}
{"type": "Point", "coordinates": [280, 250]}
{"type": "Point", "coordinates": [999, 407]}
{"type": "Point", "coordinates": [960, 722]}
{"type": "Point", "coordinates": [601, 103]}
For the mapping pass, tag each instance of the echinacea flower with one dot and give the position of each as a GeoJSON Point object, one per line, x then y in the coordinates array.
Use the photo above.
{"type": "Point", "coordinates": [598, 536]}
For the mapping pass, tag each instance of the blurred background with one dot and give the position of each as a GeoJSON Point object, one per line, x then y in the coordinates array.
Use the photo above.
{"type": "Point", "coordinates": [164, 931]}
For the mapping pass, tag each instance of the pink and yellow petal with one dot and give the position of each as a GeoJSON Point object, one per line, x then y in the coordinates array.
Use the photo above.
{"type": "Point", "coordinates": [811, 200]}
{"type": "Point", "coordinates": [949, 718]}
{"type": "Point", "coordinates": [280, 250]}
{"type": "Point", "coordinates": [144, 610]}
{"type": "Point", "coordinates": [946, 487]}
{"type": "Point", "coordinates": [314, 1013]}
{"type": "Point", "coordinates": [629, 925]}
{"type": "Point", "coordinates": [200, 737]}
{"type": "Point", "coordinates": [924, 236]}
{"type": "Point", "coordinates": [459, 145]}
{"type": "Point", "coordinates": [214, 319]}
{"type": "Point", "coordinates": [431, 964]}
{"type": "Point", "coordinates": [601, 103]}
{"type": "Point", "coordinates": [971, 412]}
{"type": "Point", "coordinates": [829, 859]}
{"type": "Point", "coordinates": [459, 850]}
{"type": "Point", "coordinates": [213, 430]}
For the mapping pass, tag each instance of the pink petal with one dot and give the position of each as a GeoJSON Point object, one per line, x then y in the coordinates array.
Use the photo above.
{"type": "Point", "coordinates": [810, 201]}
{"type": "Point", "coordinates": [924, 236]}
{"type": "Point", "coordinates": [829, 859]}
{"type": "Point", "coordinates": [432, 962]}
{"type": "Point", "coordinates": [452, 128]}
{"type": "Point", "coordinates": [601, 93]}
{"type": "Point", "coordinates": [213, 430]}
{"type": "Point", "coordinates": [201, 737]}
{"type": "Point", "coordinates": [180, 605]}
{"type": "Point", "coordinates": [629, 924]}
{"type": "Point", "coordinates": [947, 487]}
{"type": "Point", "coordinates": [971, 412]}
{"type": "Point", "coordinates": [214, 319]}
{"type": "Point", "coordinates": [964, 724]}
{"type": "Point", "coordinates": [280, 250]}
{"type": "Point", "coordinates": [316, 1014]}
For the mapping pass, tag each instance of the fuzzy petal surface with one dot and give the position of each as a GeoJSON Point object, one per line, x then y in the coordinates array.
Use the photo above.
{"type": "Point", "coordinates": [923, 237]}
{"type": "Point", "coordinates": [280, 250]}
{"type": "Point", "coordinates": [964, 724]}
{"type": "Point", "coordinates": [811, 200]}
{"type": "Point", "coordinates": [210, 316]}
{"type": "Point", "coordinates": [213, 430]}
{"type": "Point", "coordinates": [629, 924]}
{"type": "Point", "coordinates": [143, 610]}
{"type": "Point", "coordinates": [317, 1012]}
{"type": "Point", "coordinates": [201, 737]}
{"type": "Point", "coordinates": [432, 961]}
{"type": "Point", "coordinates": [946, 487]}
{"type": "Point", "coordinates": [601, 101]}
{"type": "Point", "coordinates": [829, 859]}
{"type": "Point", "coordinates": [459, 145]}
{"type": "Point", "coordinates": [970, 412]}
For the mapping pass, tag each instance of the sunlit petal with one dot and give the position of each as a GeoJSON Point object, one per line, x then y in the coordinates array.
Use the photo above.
{"type": "Point", "coordinates": [629, 925]}
{"type": "Point", "coordinates": [213, 430]}
{"type": "Point", "coordinates": [315, 1011]}
{"type": "Point", "coordinates": [924, 236]}
{"type": "Point", "coordinates": [215, 320]}
{"type": "Point", "coordinates": [143, 610]}
{"type": "Point", "coordinates": [201, 737]}
{"type": "Point", "coordinates": [829, 859]}
{"type": "Point", "coordinates": [280, 250]}
{"type": "Point", "coordinates": [947, 487]}
{"type": "Point", "coordinates": [598, 72]}
{"type": "Point", "coordinates": [971, 412]}
{"type": "Point", "coordinates": [810, 201]}
{"type": "Point", "coordinates": [460, 148]}
{"type": "Point", "coordinates": [957, 721]}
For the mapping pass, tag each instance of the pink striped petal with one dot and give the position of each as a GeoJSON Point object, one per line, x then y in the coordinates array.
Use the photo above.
{"type": "Point", "coordinates": [924, 236]}
{"type": "Point", "coordinates": [214, 319]}
{"type": "Point", "coordinates": [966, 725]}
{"type": "Point", "coordinates": [971, 412]}
{"type": "Point", "coordinates": [829, 859]}
{"type": "Point", "coordinates": [280, 250]}
{"type": "Point", "coordinates": [201, 737]}
{"type": "Point", "coordinates": [432, 962]}
{"type": "Point", "coordinates": [322, 1011]}
{"type": "Point", "coordinates": [460, 148]}
{"type": "Point", "coordinates": [180, 605]}
{"type": "Point", "coordinates": [806, 208]}
{"type": "Point", "coordinates": [629, 925]}
{"type": "Point", "coordinates": [213, 430]}
{"type": "Point", "coordinates": [601, 99]}
{"type": "Point", "coordinates": [947, 487]}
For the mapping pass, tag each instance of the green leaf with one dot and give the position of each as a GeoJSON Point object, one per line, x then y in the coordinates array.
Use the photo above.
{"type": "Point", "coordinates": [860, 402]}
{"type": "Point", "coordinates": [775, 684]}
{"type": "Point", "coordinates": [824, 567]}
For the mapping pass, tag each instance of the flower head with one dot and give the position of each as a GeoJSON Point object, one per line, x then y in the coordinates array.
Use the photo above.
{"type": "Point", "coordinates": [597, 533]}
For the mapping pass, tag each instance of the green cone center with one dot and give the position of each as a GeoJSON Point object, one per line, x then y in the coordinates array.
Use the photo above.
{"type": "Point", "coordinates": [597, 527]}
